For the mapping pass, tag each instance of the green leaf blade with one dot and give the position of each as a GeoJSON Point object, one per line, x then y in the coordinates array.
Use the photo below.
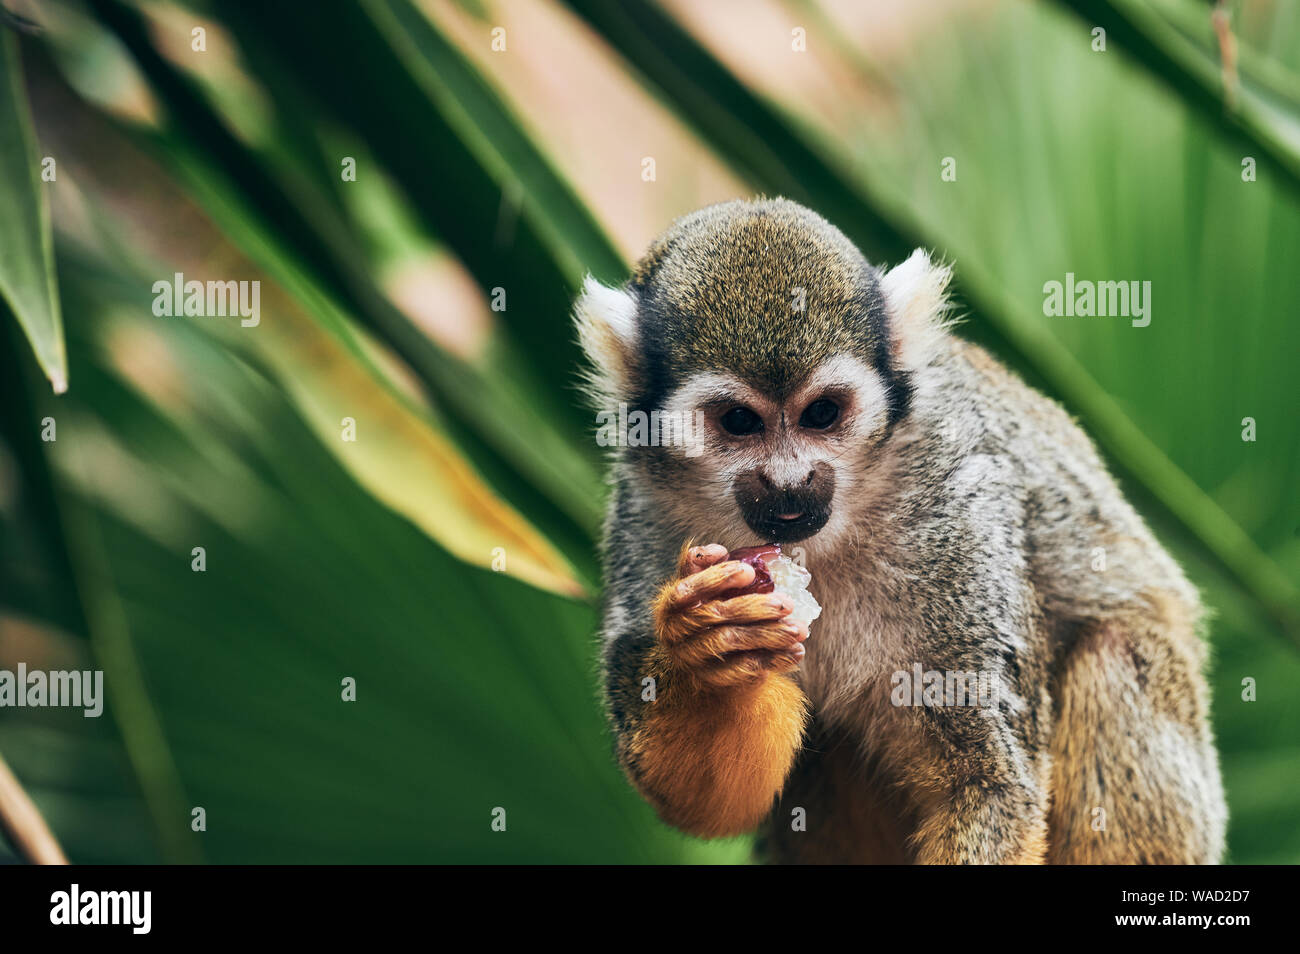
{"type": "Point", "coordinates": [27, 283]}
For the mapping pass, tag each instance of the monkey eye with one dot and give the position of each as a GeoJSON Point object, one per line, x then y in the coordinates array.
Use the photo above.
{"type": "Point", "coordinates": [820, 414]}
{"type": "Point", "coordinates": [741, 421]}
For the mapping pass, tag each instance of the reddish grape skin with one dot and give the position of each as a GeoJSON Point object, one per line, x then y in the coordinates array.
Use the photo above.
{"type": "Point", "coordinates": [757, 558]}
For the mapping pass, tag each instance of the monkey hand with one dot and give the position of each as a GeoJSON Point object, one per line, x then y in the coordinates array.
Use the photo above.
{"type": "Point", "coordinates": [714, 747]}
{"type": "Point", "coordinates": [721, 642]}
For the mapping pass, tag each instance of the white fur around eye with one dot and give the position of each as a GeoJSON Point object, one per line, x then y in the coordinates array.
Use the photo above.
{"type": "Point", "coordinates": [844, 371]}
{"type": "Point", "coordinates": [704, 389]}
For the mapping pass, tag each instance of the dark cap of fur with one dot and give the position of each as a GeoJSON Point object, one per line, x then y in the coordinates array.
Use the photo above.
{"type": "Point", "coordinates": [719, 292]}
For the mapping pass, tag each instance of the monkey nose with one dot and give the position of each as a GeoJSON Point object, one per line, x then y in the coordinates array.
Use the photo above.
{"type": "Point", "coordinates": [768, 485]}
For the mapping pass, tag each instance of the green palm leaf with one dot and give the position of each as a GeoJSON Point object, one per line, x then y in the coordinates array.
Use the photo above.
{"type": "Point", "coordinates": [27, 284]}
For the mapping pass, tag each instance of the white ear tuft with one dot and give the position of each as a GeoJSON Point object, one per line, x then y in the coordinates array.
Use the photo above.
{"type": "Point", "coordinates": [915, 292]}
{"type": "Point", "coordinates": [607, 331]}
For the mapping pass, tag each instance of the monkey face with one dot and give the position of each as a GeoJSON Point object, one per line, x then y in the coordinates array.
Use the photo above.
{"type": "Point", "coordinates": [774, 463]}
{"type": "Point", "coordinates": [778, 358]}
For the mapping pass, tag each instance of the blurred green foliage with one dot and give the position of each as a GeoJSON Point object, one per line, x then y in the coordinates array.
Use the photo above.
{"type": "Point", "coordinates": [476, 690]}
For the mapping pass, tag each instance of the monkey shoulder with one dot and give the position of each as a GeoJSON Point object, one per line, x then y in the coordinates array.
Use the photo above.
{"type": "Point", "coordinates": [1028, 473]}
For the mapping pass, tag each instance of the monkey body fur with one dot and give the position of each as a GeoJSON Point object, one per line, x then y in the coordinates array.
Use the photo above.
{"type": "Point", "coordinates": [952, 519]}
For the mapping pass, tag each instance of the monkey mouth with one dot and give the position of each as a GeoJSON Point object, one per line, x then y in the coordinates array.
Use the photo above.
{"type": "Point", "coordinates": [788, 527]}
{"type": "Point", "coordinates": [785, 514]}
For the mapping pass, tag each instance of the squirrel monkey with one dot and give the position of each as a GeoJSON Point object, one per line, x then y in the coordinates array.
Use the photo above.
{"type": "Point", "coordinates": [954, 522]}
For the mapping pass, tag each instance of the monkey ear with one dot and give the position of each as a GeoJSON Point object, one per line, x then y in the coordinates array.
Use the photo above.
{"type": "Point", "coordinates": [915, 292]}
{"type": "Point", "coordinates": [607, 331]}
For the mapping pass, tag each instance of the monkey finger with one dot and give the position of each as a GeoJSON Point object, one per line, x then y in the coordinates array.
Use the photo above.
{"type": "Point", "coordinates": [744, 668]}
{"type": "Point", "coordinates": [720, 641]}
{"type": "Point", "coordinates": [750, 608]}
{"type": "Point", "coordinates": [709, 582]}
{"type": "Point", "coordinates": [694, 559]}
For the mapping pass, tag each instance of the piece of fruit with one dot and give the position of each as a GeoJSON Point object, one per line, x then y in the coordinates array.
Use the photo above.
{"type": "Point", "coordinates": [776, 572]}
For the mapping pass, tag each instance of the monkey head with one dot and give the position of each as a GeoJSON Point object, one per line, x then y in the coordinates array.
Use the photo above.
{"type": "Point", "coordinates": [780, 359]}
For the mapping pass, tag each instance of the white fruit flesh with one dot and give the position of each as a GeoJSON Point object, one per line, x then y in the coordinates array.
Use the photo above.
{"type": "Point", "coordinates": [792, 580]}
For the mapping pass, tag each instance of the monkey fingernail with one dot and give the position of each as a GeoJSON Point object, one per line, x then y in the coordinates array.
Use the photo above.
{"type": "Point", "coordinates": [743, 574]}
